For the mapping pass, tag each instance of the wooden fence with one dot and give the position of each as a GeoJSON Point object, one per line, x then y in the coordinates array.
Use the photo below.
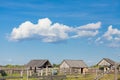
{"type": "Point", "coordinates": [57, 77]}
{"type": "Point", "coordinates": [6, 78]}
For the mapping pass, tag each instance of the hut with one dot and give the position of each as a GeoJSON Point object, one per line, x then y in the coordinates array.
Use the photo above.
{"type": "Point", "coordinates": [39, 66]}
{"type": "Point", "coordinates": [106, 64]}
{"type": "Point", "coordinates": [73, 66]}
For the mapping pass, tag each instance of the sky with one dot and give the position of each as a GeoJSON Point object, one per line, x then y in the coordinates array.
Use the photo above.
{"type": "Point", "coordinates": [86, 30]}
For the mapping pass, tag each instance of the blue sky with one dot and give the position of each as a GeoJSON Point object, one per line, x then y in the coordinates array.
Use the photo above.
{"type": "Point", "coordinates": [59, 29]}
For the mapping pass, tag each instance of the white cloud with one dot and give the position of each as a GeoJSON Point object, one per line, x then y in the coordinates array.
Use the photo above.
{"type": "Point", "coordinates": [91, 26]}
{"type": "Point", "coordinates": [85, 33]}
{"type": "Point", "coordinates": [112, 34]}
{"type": "Point", "coordinates": [45, 31]}
{"type": "Point", "coordinates": [98, 39]}
{"type": "Point", "coordinates": [87, 30]}
{"type": "Point", "coordinates": [111, 37]}
{"type": "Point", "coordinates": [114, 45]}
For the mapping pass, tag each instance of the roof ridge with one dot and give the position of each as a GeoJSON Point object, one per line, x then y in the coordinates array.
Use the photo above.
{"type": "Point", "coordinates": [73, 60]}
{"type": "Point", "coordinates": [38, 59]}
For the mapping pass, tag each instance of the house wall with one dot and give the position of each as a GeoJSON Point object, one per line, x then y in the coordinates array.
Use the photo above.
{"type": "Point", "coordinates": [65, 69]}
{"type": "Point", "coordinates": [64, 65]}
{"type": "Point", "coordinates": [107, 66]}
{"type": "Point", "coordinates": [85, 70]}
{"type": "Point", "coordinates": [73, 70]}
{"type": "Point", "coordinates": [79, 70]}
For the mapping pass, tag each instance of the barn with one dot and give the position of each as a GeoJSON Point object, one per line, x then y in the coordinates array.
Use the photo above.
{"type": "Point", "coordinates": [73, 66]}
{"type": "Point", "coordinates": [107, 64]}
{"type": "Point", "coordinates": [39, 66]}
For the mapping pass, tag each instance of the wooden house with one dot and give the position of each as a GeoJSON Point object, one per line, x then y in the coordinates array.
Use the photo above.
{"type": "Point", "coordinates": [73, 66]}
{"type": "Point", "coordinates": [39, 66]}
{"type": "Point", "coordinates": [107, 64]}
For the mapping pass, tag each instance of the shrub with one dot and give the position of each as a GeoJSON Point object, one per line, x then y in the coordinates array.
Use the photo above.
{"type": "Point", "coordinates": [101, 68]}
{"type": "Point", "coordinates": [3, 73]}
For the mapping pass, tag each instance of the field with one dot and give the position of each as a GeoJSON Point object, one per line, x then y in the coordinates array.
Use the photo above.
{"type": "Point", "coordinates": [71, 77]}
{"type": "Point", "coordinates": [91, 77]}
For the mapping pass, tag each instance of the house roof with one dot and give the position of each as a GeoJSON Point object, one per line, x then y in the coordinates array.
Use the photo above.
{"type": "Point", "coordinates": [108, 60]}
{"type": "Point", "coordinates": [39, 63]}
{"type": "Point", "coordinates": [76, 63]}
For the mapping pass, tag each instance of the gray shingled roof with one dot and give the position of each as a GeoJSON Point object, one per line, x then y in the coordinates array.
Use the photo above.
{"type": "Point", "coordinates": [76, 63]}
{"type": "Point", "coordinates": [39, 63]}
{"type": "Point", "coordinates": [109, 61]}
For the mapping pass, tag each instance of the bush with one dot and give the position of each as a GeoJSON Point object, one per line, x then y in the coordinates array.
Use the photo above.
{"type": "Point", "coordinates": [101, 68]}
{"type": "Point", "coordinates": [3, 73]}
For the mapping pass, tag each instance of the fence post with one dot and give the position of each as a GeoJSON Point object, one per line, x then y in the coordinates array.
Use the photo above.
{"type": "Point", "coordinates": [46, 70]}
{"type": "Point", "coordinates": [115, 77]}
{"type": "Point", "coordinates": [27, 74]}
{"type": "Point", "coordinates": [21, 73]}
{"type": "Point", "coordinates": [51, 77]}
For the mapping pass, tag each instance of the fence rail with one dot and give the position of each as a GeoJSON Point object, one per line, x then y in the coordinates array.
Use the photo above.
{"type": "Point", "coordinates": [58, 77]}
{"type": "Point", "coordinates": [4, 78]}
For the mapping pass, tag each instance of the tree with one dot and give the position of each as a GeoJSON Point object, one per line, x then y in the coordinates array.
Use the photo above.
{"type": "Point", "coordinates": [3, 73]}
{"type": "Point", "coordinates": [56, 65]}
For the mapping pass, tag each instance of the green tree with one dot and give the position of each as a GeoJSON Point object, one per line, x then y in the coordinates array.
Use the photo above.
{"type": "Point", "coordinates": [3, 73]}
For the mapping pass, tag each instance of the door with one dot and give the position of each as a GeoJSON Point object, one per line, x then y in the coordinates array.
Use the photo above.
{"type": "Point", "coordinates": [81, 70]}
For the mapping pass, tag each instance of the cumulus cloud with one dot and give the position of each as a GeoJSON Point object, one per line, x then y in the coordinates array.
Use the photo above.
{"type": "Point", "coordinates": [87, 30]}
{"type": "Point", "coordinates": [47, 31]}
{"type": "Point", "coordinates": [112, 34]}
{"type": "Point", "coordinates": [91, 26]}
{"type": "Point", "coordinates": [43, 30]}
{"type": "Point", "coordinates": [85, 33]}
{"type": "Point", "coordinates": [113, 45]}
{"type": "Point", "coordinates": [111, 37]}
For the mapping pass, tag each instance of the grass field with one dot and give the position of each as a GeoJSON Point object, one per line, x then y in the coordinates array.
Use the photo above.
{"type": "Point", "coordinates": [92, 77]}
{"type": "Point", "coordinates": [73, 77]}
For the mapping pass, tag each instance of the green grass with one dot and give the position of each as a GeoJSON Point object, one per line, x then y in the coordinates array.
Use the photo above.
{"type": "Point", "coordinates": [91, 77]}
{"type": "Point", "coordinates": [73, 77]}
{"type": "Point", "coordinates": [109, 77]}
{"type": "Point", "coordinates": [81, 77]}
